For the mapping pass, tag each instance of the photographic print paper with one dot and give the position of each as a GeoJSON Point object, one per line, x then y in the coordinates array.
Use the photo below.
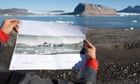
{"type": "Point", "coordinates": [51, 46]}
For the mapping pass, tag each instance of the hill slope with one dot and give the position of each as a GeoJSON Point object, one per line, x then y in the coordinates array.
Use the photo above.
{"type": "Point", "coordinates": [87, 9]}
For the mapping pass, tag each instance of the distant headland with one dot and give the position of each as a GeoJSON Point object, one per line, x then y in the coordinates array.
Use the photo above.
{"type": "Point", "coordinates": [87, 9]}
{"type": "Point", "coordinates": [82, 9]}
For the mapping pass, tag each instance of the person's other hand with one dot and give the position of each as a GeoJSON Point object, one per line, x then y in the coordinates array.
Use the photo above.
{"type": "Point", "coordinates": [90, 49]}
{"type": "Point", "coordinates": [9, 24]}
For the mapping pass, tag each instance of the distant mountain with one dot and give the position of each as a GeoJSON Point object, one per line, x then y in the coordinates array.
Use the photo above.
{"type": "Point", "coordinates": [131, 9]}
{"type": "Point", "coordinates": [84, 9]}
{"type": "Point", "coordinates": [14, 11]}
{"type": "Point", "coordinates": [87, 9]}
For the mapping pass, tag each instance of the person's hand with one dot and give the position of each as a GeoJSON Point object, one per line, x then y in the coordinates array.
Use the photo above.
{"type": "Point", "coordinates": [90, 49]}
{"type": "Point", "coordinates": [9, 24]}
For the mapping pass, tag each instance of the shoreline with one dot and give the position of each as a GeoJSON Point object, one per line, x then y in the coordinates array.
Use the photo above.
{"type": "Point", "coordinates": [112, 37]}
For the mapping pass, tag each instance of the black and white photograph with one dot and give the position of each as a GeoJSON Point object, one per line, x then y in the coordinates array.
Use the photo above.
{"type": "Point", "coordinates": [51, 46]}
{"type": "Point", "coordinates": [48, 45]}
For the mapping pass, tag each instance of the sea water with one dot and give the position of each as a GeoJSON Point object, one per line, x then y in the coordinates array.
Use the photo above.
{"type": "Point", "coordinates": [124, 22]}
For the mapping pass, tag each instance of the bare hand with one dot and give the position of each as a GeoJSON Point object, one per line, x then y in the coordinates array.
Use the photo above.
{"type": "Point", "coordinates": [9, 24]}
{"type": "Point", "coordinates": [90, 49]}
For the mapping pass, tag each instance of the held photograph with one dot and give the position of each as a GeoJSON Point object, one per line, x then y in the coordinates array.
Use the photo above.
{"type": "Point", "coordinates": [48, 45]}
{"type": "Point", "coordinates": [50, 48]}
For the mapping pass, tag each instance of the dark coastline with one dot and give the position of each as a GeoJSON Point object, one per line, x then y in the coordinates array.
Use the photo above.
{"type": "Point", "coordinates": [118, 53]}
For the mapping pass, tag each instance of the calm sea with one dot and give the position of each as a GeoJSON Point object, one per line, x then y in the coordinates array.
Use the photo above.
{"type": "Point", "coordinates": [124, 22]}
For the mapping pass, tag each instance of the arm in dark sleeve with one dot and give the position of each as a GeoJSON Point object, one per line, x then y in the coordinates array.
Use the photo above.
{"type": "Point", "coordinates": [87, 75]}
{"type": "Point", "coordinates": [11, 77]}
{"type": "Point", "coordinates": [3, 37]}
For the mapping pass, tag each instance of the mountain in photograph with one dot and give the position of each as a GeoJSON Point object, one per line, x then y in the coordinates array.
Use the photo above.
{"type": "Point", "coordinates": [131, 9]}
{"type": "Point", "coordinates": [88, 9]}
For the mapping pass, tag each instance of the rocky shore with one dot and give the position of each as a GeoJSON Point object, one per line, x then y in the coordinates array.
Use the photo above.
{"type": "Point", "coordinates": [118, 52]}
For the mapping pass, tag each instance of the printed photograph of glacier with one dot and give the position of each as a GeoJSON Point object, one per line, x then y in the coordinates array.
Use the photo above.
{"type": "Point", "coordinates": [48, 45]}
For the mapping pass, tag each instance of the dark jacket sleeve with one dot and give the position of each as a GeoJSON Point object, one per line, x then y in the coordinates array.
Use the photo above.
{"type": "Point", "coordinates": [87, 75]}
{"type": "Point", "coordinates": [11, 77]}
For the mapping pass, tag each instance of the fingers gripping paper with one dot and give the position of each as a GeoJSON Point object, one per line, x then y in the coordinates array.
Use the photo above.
{"type": "Point", "coordinates": [48, 46]}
